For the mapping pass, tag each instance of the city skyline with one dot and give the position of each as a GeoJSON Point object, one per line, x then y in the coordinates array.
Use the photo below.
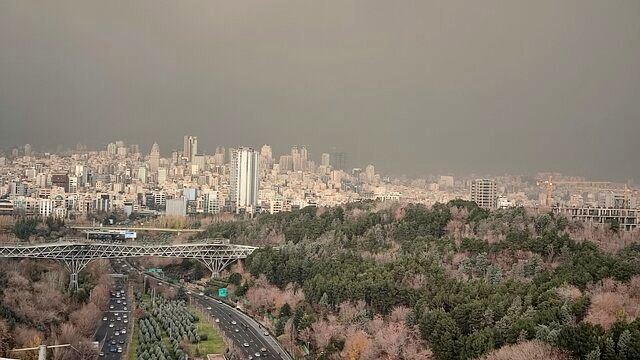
{"type": "Point", "coordinates": [315, 155]}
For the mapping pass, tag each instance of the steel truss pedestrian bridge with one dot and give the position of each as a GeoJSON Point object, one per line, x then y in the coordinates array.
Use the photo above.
{"type": "Point", "coordinates": [215, 255]}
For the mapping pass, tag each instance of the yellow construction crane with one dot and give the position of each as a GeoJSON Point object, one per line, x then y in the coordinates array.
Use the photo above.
{"type": "Point", "coordinates": [599, 185]}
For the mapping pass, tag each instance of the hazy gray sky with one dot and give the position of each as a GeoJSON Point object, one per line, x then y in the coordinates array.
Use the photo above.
{"type": "Point", "coordinates": [413, 86]}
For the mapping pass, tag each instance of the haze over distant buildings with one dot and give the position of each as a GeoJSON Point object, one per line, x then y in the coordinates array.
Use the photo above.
{"type": "Point", "coordinates": [415, 87]}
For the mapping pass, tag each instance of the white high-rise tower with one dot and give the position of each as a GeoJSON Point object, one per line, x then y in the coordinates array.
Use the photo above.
{"type": "Point", "coordinates": [244, 179]}
{"type": "Point", "coordinates": [190, 147]}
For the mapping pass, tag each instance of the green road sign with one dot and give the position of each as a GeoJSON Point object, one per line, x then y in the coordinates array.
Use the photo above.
{"type": "Point", "coordinates": [222, 292]}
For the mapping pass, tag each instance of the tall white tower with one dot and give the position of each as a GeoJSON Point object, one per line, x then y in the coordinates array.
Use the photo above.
{"type": "Point", "coordinates": [244, 179]}
{"type": "Point", "coordinates": [154, 157]}
{"type": "Point", "coordinates": [190, 147]}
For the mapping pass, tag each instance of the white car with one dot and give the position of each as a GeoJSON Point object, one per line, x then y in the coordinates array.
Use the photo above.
{"type": "Point", "coordinates": [104, 318]}
{"type": "Point", "coordinates": [236, 330]}
{"type": "Point", "coordinates": [125, 321]}
{"type": "Point", "coordinates": [116, 333]}
{"type": "Point", "coordinates": [245, 344]}
{"type": "Point", "coordinates": [124, 316]}
{"type": "Point", "coordinates": [233, 322]}
{"type": "Point", "coordinates": [217, 320]}
{"type": "Point", "coordinates": [123, 331]}
{"type": "Point", "coordinates": [266, 333]}
{"type": "Point", "coordinates": [119, 318]}
{"type": "Point", "coordinates": [111, 325]}
{"type": "Point", "coordinates": [111, 307]}
{"type": "Point", "coordinates": [201, 294]}
{"type": "Point", "coordinates": [208, 307]}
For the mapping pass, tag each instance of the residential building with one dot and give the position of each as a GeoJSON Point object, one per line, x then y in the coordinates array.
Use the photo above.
{"type": "Point", "coordinates": [243, 179]}
{"type": "Point", "coordinates": [484, 192]}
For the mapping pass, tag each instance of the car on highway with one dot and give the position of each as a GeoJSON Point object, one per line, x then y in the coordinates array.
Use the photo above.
{"type": "Point", "coordinates": [116, 333]}
{"type": "Point", "coordinates": [113, 348]}
{"type": "Point", "coordinates": [119, 318]}
{"type": "Point", "coordinates": [233, 322]}
{"type": "Point", "coordinates": [121, 342]}
{"type": "Point", "coordinates": [119, 349]}
{"type": "Point", "coordinates": [113, 342]}
{"type": "Point", "coordinates": [111, 325]}
{"type": "Point", "coordinates": [217, 320]}
{"type": "Point", "coordinates": [256, 354]}
{"type": "Point", "coordinates": [125, 321]}
{"type": "Point", "coordinates": [264, 350]}
{"type": "Point", "coordinates": [123, 331]}
{"type": "Point", "coordinates": [111, 307]}
{"type": "Point", "coordinates": [201, 294]}
{"type": "Point", "coordinates": [208, 307]}
{"type": "Point", "coordinates": [245, 344]}
{"type": "Point", "coordinates": [101, 354]}
{"type": "Point", "coordinates": [266, 333]}
{"type": "Point", "coordinates": [104, 318]}
{"type": "Point", "coordinates": [236, 330]}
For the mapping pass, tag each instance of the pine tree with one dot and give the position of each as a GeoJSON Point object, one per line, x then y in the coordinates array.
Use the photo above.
{"type": "Point", "coordinates": [594, 355]}
{"type": "Point", "coordinates": [623, 344]}
{"type": "Point", "coordinates": [609, 352]}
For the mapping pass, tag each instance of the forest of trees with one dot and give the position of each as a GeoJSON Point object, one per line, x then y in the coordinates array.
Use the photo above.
{"type": "Point", "coordinates": [37, 308]}
{"type": "Point", "coordinates": [452, 281]}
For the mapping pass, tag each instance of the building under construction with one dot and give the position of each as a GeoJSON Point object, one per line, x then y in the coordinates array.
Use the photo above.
{"type": "Point", "coordinates": [627, 219]}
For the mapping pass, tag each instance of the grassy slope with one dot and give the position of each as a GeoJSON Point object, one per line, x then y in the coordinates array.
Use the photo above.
{"type": "Point", "coordinates": [214, 343]}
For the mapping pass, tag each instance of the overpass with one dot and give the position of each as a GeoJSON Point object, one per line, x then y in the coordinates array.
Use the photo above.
{"type": "Point", "coordinates": [216, 256]}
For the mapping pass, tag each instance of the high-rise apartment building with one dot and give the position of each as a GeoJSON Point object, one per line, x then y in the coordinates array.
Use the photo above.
{"type": "Point", "coordinates": [154, 157]}
{"type": "Point", "coordinates": [111, 148]}
{"type": "Point", "coordinates": [484, 192]}
{"type": "Point", "coordinates": [190, 148]}
{"type": "Point", "coordinates": [243, 179]}
{"type": "Point", "coordinates": [340, 161]}
{"type": "Point", "coordinates": [211, 204]}
{"type": "Point", "coordinates": [325, 159]}
{"type": "Point", "coordinates": [286, 163]}
{"type": "Point", "coordinates": [304, 158]}
{"type": "Point", "coordinates": [266, 153]}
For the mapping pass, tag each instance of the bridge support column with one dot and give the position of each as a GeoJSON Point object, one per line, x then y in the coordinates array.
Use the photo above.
{"type": "Point", "coordinates": [216, 265]}
{"type": "Point", "coordinates": [75, 266]}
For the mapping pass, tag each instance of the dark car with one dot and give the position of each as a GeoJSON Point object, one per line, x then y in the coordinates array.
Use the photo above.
{"type": "Point", "coordinates": [113, 349]}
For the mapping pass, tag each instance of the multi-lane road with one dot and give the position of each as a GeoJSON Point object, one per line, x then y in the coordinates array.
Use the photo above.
{"type": "Point", "coordinates": [249, 337]}
{"type": "Point", "coordinates": [110, 332]}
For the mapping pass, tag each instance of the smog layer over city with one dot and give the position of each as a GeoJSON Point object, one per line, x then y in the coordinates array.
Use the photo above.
{"type": "Point", "coordinates": [325, 180]}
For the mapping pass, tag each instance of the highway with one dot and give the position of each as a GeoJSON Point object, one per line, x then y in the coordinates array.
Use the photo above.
{"type": "Point", "coordinates": [245, 331]}
{"type": "Point", "coordinates": [107, 332]}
